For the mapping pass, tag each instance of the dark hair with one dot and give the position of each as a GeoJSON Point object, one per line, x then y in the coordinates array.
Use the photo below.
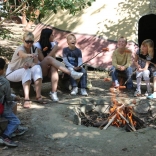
{"type": "Point", "coordinates": [44, 39]}
{"type": "Point", "coordinates": [2, 63]}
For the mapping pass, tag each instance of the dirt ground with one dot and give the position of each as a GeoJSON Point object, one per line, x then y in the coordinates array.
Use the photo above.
{"type": "Point", "coordinates": [52, 131]}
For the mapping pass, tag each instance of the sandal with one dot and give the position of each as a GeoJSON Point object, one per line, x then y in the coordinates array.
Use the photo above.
{"type": "Point", "coordinates": [41, 100]}
{"type": "Point", "coordinates": [27, 104]}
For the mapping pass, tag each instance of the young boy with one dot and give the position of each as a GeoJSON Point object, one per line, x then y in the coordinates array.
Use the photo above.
{"type": "Point", "coordinates": [121, 61]}
{"type": "Point", "coordinates": [7, 99]}
{"type": "Point", "coordinates": [72, 58]}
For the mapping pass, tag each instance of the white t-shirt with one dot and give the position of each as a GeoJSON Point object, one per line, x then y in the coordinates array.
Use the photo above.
{"type": "Point", "coordinates": [37, 44]}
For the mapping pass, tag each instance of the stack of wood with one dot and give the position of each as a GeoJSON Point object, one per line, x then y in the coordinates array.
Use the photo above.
{"type": "Point", "coordinates": [120, 115]}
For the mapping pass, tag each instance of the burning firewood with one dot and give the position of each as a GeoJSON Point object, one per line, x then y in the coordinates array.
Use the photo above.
{"type": "Point", "coordinates": [110, 121]}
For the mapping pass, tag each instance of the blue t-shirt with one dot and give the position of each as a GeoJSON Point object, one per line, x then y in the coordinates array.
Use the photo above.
{"type": "Point", "coordinates": [72, 58]}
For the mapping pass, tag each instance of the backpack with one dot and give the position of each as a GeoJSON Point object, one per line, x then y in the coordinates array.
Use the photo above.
{"type": "Point", "coordinates": [2, 106]}
{"type": "Point", "coordinates": [2, 102]}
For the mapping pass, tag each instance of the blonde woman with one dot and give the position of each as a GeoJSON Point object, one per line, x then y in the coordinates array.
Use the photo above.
{"type": "Point", "coordinates": [24, 67]}
{"type": "Point", "coordinates": [142, 62]}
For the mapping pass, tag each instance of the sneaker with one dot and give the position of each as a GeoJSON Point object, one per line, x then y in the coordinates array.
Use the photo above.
{"type": "Point", "coordinates": [7, 141]}
{"type": "Point", "coordinates": [146, 93]}
{"type": "Point", "coordinates": [152, 96]}
{"type": "Point", "coordinates": [23, 128]}
{"type": "Point", "coordinates": [1, 140]}
{"type": "Point", "coordinates": [53, 96]}
{"type": "Point", "coordinates": [116, 85]}
{"type": "Point", "coordinates": [76, 75]}
{"type": "Point", "coordinates": [137, 93]}
{"type": "Point", "coordinates": [18, 132]}
{"type": "Point", "coordinates": [74, 91]}
{"type": "Point", "coordinates": [84, 92]}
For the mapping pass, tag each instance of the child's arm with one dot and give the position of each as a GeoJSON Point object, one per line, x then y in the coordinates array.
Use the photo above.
{"type": "Point", "coordinates": [80, 61]}
{"type": "Point", "coordinates": [65, 60]}
{"type": "Point", "coordinates": [136, 62]}
{"type": "Point", "coordinates": [114, 61]}
{"type": "Point", "coordinates": [147, 65]}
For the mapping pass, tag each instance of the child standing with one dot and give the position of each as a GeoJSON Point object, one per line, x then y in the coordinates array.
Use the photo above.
{"type": "Point", "coordinates": [142, 62]}
{"type": "Point", "coordinates": [7, 99]}
{"type": "Point", "coordinates": [72, 58]}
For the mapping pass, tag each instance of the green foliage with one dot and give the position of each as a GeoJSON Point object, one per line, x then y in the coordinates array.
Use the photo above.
{"type": "Point", "coordinates": [28, 7]}
{"type": "Point", "coordinates": [4, 33]}
{"type": "Point", "coordinates": [11, 6]}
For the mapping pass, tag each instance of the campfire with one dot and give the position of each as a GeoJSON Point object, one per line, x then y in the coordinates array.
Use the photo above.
{"type": "Point", "coordinates": [118, 114]}
{"type": "Point", "coordinates": [122, 115]}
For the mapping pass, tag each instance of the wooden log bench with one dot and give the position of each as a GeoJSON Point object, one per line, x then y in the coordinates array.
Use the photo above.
{"type": "Point", "coordinates": [122, 78]}
{"type": "Point", "coordinates": [63, 84]}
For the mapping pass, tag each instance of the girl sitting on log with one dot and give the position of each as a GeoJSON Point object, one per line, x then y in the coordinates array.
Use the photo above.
{"type": "Point", "coordinates": [47, 49]}
{"type": "Point", "coordinates": [142, 62]}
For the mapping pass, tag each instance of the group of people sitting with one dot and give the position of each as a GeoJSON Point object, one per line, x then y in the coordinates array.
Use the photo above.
{"type": "Point", "coordinates": [144, 66]}
{"type": "Point", "coordinates": [37, 60]}
{"type": "Point", "coordinates": [33, 61]}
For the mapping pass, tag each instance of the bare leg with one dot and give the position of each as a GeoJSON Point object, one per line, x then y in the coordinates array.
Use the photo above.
{"type": "Point", "coordinates": [26, 87]}
{"type": "Point", "coordinates": [38, 84]}
{"type": "Point", "coordinates": [53, 62]}
{"type": "Point", "coordinates": [54, 78]}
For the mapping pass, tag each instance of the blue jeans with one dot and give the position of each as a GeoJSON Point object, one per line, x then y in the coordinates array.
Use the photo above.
{"type": "Point", "coordinates": [128, 72]}
{"type": "Point", "coordinates": [13, 123]}
{"type": "Point", "coordinates": [83, 79]}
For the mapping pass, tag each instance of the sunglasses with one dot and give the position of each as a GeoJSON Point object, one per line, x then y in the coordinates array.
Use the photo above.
{"type": "Point", "coordinates": [29, 41]}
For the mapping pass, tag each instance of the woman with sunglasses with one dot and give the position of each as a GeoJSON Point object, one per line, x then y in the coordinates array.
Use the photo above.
{"type": "Point", "coordinates": [47, 49]}
{"type": "Point", "coordinates": [24, 67]}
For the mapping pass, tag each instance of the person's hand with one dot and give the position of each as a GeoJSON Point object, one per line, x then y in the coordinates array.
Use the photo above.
{"type": "Point", "coordinates": [26, 65]}
{"type": "Point", "coordinates": [138, 67]}
{"type": "Point", "coordinates": [30, 55]}
{"type": "Point", "coordinates": [35, 55]}
{"type": "Point", "coordinates": [122, 68]}
{"type": "Point", "coordinates": [77, 68]}
{"type": "Point", "coordinates": [119, 67]}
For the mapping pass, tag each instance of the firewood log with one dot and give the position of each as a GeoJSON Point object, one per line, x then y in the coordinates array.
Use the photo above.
{"type": "Point", "coordinates": [110, 121]}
